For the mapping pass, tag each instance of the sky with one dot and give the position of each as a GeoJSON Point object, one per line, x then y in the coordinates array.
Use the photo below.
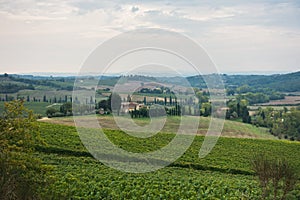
{"type": "Point", "coordinates": [57, 36]}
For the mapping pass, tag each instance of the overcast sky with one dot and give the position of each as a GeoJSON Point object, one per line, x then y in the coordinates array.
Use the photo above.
{"type": "Point", "coordinates": [240, 36]}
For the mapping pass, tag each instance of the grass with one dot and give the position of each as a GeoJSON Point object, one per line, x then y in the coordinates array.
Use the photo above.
{"type": "Point", "coordinates": [37, 107]}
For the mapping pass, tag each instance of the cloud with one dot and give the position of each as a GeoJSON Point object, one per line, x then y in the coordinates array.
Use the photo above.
{"type": "Point", "coordinates": [261, 33]}
{"type": "Point", "coordinates": [134, 9]}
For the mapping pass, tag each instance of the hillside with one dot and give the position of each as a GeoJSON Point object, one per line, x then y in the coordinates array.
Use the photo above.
{"type": "Point", "coordinates": [231, 128]}
{"type": "Point", "coordinates": [224, 174]}
{"type": "Point", "coordinates": [279, 82]}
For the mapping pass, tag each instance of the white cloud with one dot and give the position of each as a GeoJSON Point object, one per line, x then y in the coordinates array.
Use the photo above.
{"type": "Point", "coordinates": [261, 33]}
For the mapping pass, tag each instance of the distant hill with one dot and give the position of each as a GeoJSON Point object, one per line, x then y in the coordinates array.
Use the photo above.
{"type": "Point", "coordinates": [279, 82]}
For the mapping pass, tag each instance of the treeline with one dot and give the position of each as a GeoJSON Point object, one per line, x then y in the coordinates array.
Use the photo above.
{"type": "Point", "coordinates": [281, 123]}
{"type": "Point", "coordinates": [57, 83]}
{"type": "Point", "coordinates": [6, 88]}
{"type": "Point", "coordinates": [238, 109]}
{"type": "Point", "coordinates": [155, 111]}
{"type": "Point", "coordinates": [169, 105]}
{"type": "Point", "coordinates": [160, 90]}
{"type": "Point", "coordinates": [255, 98]}
{"type": "Point", "coordinates": [254, 95]}
{"type": "Point", "coordinates": [70, 106]}
{"type": "Point", "coordinates": [45, 98]}
{"type": "Point", "coordinates": [278, 82]}
{"type": "Point", "coordinates": [27, 82]}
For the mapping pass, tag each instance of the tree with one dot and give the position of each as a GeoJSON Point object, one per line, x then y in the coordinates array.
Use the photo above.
{"type": "Point", "coordinates": [114, 103]}
{"type": "Point", "coordinates": [51, 111]}
{"type": "Point", "coordinates": [227, 116]}
{"type": "Point", "coordinates": [206, 109]}
{"type": "Point", "coordinates": [103, 104]}
{"type": "Point", "coordinates": [66, 108]}
{"type": "Point", "coordinates": [277, 177]}
{"type": "Point", "coordinates": [238, 109]}
{"type": "Point", "coordinates": [245, 115]}
{"type": "Point", "coordinates": [128, 98]}
{"type": "Point", "coordinates": [20, 172]}
{"type": "Point", "coordinates": [230, 92]}
{"type": "Point", "coordinates": [201, 97]}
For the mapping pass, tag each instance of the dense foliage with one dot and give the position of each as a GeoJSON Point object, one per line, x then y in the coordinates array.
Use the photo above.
{"type": "Point", "coordinates": [282, 123]}
{"type": "Point", "coordinates": [20, 172]}
{"type": "Point", "coordinates": [278, 82]}
{"type": "Point", "coordinates": [6, 88]}
{"type": "Point", "coordinates": [238, 109]}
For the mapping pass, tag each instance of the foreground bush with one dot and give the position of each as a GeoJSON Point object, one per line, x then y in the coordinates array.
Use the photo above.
{"type": "Point", "coordinates": [276, 176]}
{"type": "Point", "coordinates": [20, 172]}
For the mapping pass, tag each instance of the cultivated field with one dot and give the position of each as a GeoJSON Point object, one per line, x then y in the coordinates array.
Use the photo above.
{"type": "Point", "coordinates": [231, 128]}
{"type": "Point", "coordinates": [224, 174]}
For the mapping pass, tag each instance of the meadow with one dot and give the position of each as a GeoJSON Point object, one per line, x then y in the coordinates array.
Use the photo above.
{"type": "Point", "coordinates": [38, 107]}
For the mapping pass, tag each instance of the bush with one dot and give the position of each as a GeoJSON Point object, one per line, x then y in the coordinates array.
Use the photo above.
{"type": "Point", "coordinates": [20, 172]}
{"type": "Point", "coordinates": [277, 177]}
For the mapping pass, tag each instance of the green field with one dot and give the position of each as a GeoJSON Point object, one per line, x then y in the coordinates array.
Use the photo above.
{"type": "Point", "coordinates": [224, 174]}
{"type": "Point", "coordinates": [37, 107]}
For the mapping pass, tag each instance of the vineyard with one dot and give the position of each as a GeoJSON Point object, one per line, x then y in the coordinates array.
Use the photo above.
{"type": "Point", "coordinates": [224, 174]}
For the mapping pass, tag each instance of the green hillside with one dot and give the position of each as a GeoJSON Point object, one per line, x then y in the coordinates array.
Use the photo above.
{"type": "Point", "coordinates": [278, 82]}
{"type": "Point", "coordinates": [224, 174]}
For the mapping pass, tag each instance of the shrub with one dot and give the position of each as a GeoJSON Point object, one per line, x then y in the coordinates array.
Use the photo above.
{"type": "Point", "coordinates": [276, 176]}
{"type": "Point", "coordinates": [20, 172]}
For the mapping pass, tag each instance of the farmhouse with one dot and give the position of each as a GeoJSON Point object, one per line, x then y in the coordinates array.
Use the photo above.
{"type": "Point", "coordinates": [130, 106]}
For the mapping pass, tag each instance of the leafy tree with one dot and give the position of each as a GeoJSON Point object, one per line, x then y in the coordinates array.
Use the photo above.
{"type": "Point", "coordinates": [114, 103]}
{"type": "Point", "coordinates": [238, 109]}
{"type": "Point", "coordinates": [66, 108]}
{"type": "Point", "coordinates": [243, 89]}
{"type": "Point", "coordinates": [201, 97]}
{"type": "Point", "coordinates": [20, 172]}
{"type": "Point", "coordinates": [51, 111]}
{"type": "Point", "coordinates": [230, 92]}
{"type": "Point", "coordinates": [103, 104]}
{"type": "Point", "coordinates": [206, 109]}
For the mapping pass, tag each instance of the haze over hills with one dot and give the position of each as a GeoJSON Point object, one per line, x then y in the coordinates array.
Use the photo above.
{"type": "Point", "coordinates": [289, 82]}
{"type": "Point", "coordinates": [281, 82]}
